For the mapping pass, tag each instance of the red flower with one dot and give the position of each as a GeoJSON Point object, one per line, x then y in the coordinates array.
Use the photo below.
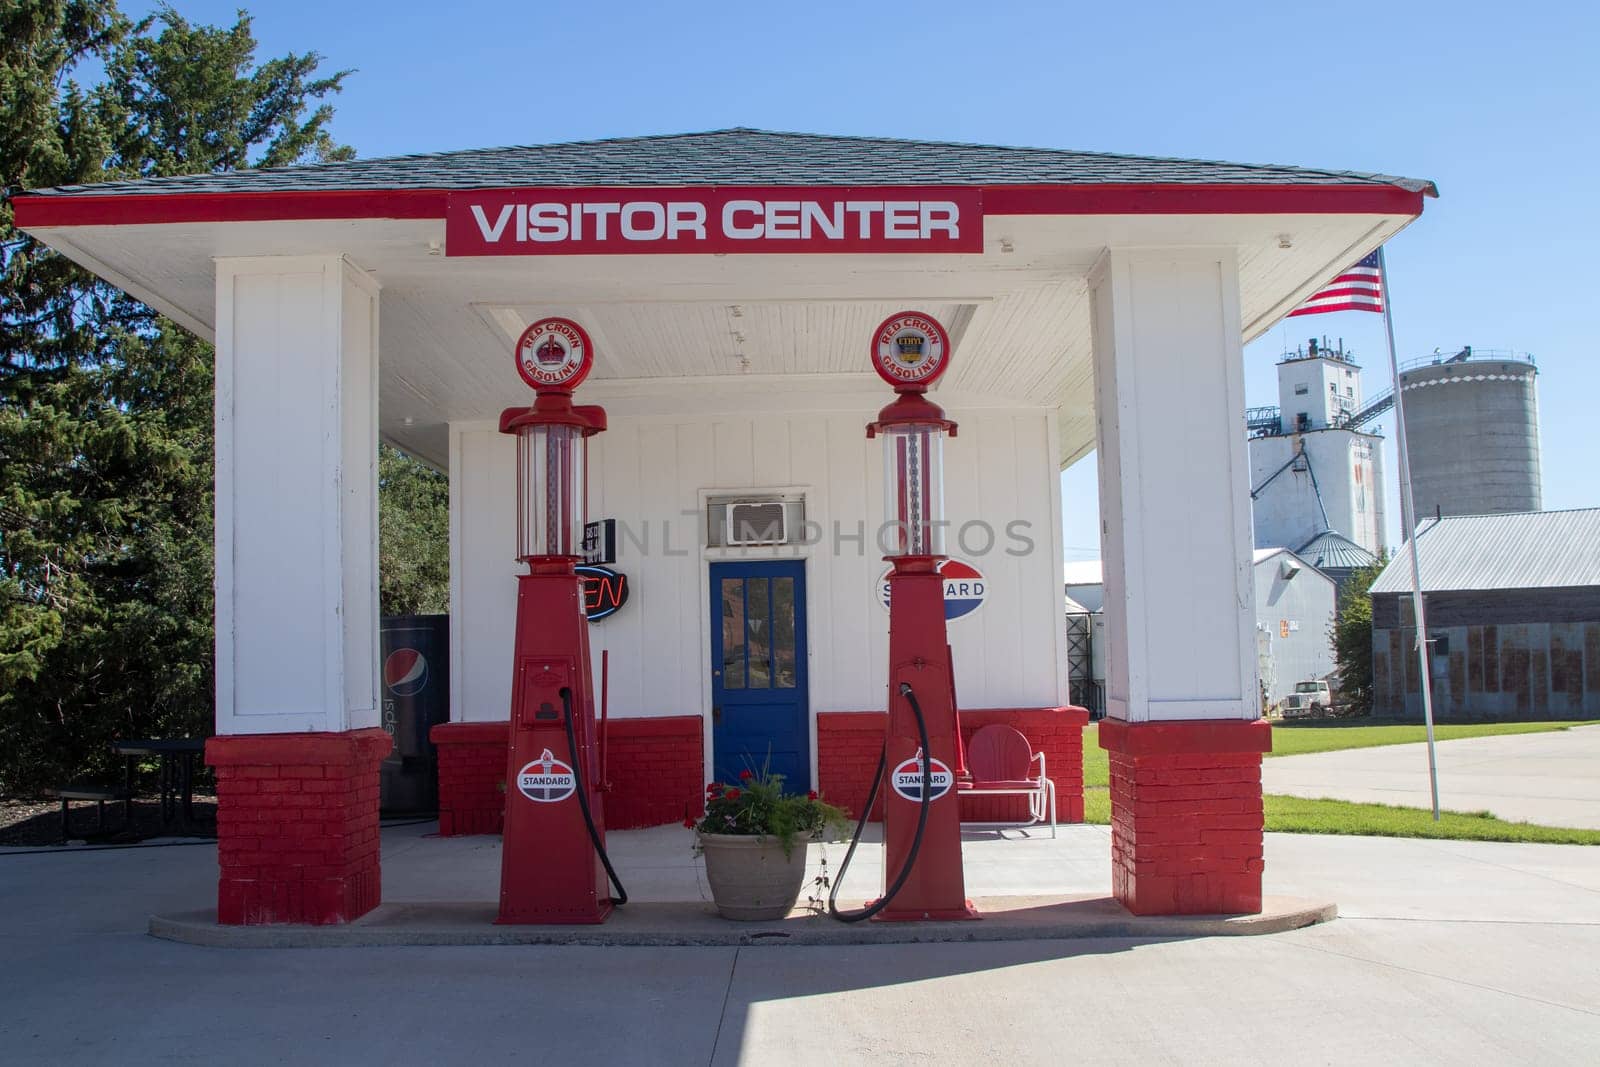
{"type": "Point", "coordinates": [732, 794]}
{"type": "Point", "coordinates": [811, 795]}
{"type": "Point", "coordinates": [713, 789]}
{"type": "Point", "coordinates": [688, 824]}
{"type": "Point", "coordinates": [745, 776]}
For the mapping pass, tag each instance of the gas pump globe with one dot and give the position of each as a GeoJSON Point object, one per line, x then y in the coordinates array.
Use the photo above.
{"type": "Point", "coordinates": [921, 817]}
{"type": "Point", "coordinates": [554, 867]}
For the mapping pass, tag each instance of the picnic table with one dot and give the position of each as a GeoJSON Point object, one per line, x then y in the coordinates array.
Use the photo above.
{"type": "Point", "coordinates": [177, 770]}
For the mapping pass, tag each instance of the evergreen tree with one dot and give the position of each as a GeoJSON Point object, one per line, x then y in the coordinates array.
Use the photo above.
{"type": "Point", "coordinates": [105, 407]}
{"type": "Point", "coordinates": [413, 536]}
{"type": "Point", "coordinates": [1352, 639]}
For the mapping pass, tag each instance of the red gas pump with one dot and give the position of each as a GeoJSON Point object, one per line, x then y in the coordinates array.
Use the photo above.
{"type": "Point", "coordinates": [554, 865]}
{"type": "Point", "coordinates": [921, 757]}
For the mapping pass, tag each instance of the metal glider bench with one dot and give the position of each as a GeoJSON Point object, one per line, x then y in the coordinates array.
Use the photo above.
{"type": "Point", "coordinates": [1002, 764]}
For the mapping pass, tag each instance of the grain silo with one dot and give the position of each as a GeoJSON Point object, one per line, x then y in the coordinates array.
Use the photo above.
{"type": "Point", "coordinates": [1472, 431]}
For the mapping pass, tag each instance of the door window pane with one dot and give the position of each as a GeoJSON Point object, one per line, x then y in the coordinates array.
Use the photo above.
{"type": "Point", "coordinates": [732, 633]}
{"type": "Point", "coordinates": [783, 636]}
{"type": "Point", "coordinates": [758, 631]}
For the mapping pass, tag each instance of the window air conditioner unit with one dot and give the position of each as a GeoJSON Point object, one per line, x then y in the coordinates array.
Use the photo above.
{"type": "Point", "coordinates": [756, 523]}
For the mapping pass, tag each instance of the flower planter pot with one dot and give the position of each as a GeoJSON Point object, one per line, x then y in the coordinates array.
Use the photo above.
{"type": "Point", "coordinates": [750, 877]}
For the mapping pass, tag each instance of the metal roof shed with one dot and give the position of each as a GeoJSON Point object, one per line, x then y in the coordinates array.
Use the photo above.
{"type": "Point", "coordinates": [1513, 617]}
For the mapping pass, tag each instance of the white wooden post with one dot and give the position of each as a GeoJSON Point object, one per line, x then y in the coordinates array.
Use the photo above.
{"type": "Point", "coordinates": [1182, 733]}
{"type": "Point", "coordinates": [296, 495]}
{"type": "Point", "coordinates": [1174, 486]}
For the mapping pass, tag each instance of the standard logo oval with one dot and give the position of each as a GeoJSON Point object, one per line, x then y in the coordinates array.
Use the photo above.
{"type": "Point", "coordinates": [547, 779]}
{"type": "Point", "coordinates": [907, 778]}
{"type": "Point", "coordinates": [910, 349]}
{"type": "Point", "coordinates": [965, 588]}
{"type": "Point", "coordinates": [554, 354]}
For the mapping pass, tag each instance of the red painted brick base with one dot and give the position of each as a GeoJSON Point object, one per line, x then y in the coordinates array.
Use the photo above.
{"type": "Point", "coordinates": [848, 743]}
{"type": "Point", "coordinates": [472, 776]}
{"type": "Point", "coordinates": [1186, 815]}
{"type": "Point", "coordinates": [297, 826]}
{"type": "Point", "coordinates": [656, 767]}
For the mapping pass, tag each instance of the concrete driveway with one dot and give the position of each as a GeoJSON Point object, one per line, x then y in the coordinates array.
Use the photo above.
{"type": "Point", "coordinates": [1549, 778]}
{"type": "Point", "coordinates": [1450, 952]}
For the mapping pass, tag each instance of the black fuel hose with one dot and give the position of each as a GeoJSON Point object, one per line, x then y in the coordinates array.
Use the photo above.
{"type": "Point", "coordinates": [916, 841]}
{"type": "Point", "coordinates": [583, 802]}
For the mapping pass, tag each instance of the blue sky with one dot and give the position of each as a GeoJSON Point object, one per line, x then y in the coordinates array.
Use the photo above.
{"type": "Point", "coordinates": [1495, 102]}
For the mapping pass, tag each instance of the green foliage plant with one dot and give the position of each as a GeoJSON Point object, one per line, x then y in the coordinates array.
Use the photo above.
{"type": "Point", "coordinates": [105, 405]}
{"type": "Point", "coordinates": [1352, 640]}
{"type": "Point", "coordinates": [413, 536]}
{"type": "Point", "coordinates": [759, 806]}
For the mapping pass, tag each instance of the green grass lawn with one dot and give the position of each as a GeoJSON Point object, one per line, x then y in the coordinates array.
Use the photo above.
{"type": "Point", "coordinates": [1295, 740]}
{"type": "Point", "coordinates": [1296, 815]}
{"type": "Point", "coordinates": [1292, 740]}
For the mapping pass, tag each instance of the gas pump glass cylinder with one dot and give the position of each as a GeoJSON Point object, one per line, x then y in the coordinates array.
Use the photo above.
{"type": "Point", "coordinates": [913, 489]}
{"type": "Point", "coordinates": [552, 490]}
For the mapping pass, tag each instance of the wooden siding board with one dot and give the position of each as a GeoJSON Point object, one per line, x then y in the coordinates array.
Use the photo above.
{"type": "Point", "coordinates": [1492, 659]}
{"type": "Point", "coordinates": [1591, 657]}
{"type": "Point", "coordinates": [1474, 660]}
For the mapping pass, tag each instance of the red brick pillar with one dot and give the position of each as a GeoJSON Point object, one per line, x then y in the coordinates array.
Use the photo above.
{"type": "Point", "coordinates": [1186, 816]}
{"type": "Point", "coordinates": [297, 825]}
{"type": "Point", "coordinates": [472, 776]}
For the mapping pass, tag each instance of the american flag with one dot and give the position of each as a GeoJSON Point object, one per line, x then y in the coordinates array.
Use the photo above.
{"type": "Point", "coordinates": [1357, 288]}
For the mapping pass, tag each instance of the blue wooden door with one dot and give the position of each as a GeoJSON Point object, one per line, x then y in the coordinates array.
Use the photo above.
{"type": "Point", "coordinates": [759, 707]}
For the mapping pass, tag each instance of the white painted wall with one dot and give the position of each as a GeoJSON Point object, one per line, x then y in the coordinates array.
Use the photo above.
{"type": "Point", "coordinates": [1299, 600]}
{"type": "Point", "coordinates": [1174, 485]}
{"type": "Point", "coordinates": [1304, 602]}
{"type": "Point", "coordinates": [296, 495]}
{"type": "Point", "coordinates": [646, 471]}
{"type": "Point", "coordinates": [1331, 387]}
{"type": "Point", "coordinates": [1349, 473]}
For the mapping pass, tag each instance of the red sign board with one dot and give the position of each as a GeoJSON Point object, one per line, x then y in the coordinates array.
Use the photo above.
{"type": "Point", "coordinates": [770, 220]}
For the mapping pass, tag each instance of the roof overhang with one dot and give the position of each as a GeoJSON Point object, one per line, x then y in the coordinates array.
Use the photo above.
{"type": "Point", "coordinates": [723, 325]}
{"type": "Point", "coordinates": [42, 210]}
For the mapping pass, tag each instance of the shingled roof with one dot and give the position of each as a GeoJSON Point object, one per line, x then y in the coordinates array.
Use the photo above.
{"type": "Point", "coordinates": [742, 157]}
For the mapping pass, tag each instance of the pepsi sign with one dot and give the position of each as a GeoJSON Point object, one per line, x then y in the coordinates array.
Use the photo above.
{"type": "Point", "coordinates": [405, 672]}
{"type": "Point", "coordinates": [908, 778]}
{"type": "Point", "coordinates": [965, 588]}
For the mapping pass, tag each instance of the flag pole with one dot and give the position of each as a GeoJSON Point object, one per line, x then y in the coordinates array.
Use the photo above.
{"type": "Point", "coordinates": [1408, 517]}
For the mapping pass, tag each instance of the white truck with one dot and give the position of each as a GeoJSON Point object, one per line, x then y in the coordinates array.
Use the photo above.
{"type": "Point", "coordinates": [1308, 699]}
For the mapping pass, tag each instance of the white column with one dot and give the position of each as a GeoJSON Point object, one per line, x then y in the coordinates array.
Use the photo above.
{"type": "Point", "coordinates": [1174, 485]}
{"type": "Point", "coordinates": [296, 495]}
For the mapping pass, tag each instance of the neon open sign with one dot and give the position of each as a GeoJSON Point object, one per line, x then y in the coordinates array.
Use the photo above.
{"type": "Point", "coordinates": [604, 591]}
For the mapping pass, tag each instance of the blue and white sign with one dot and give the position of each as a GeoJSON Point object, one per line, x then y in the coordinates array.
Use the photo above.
{"type": "Point", "coordinates": [547, 780]}
{"type": "Point", "coordinates": [908, 776]}
{"type": "Point", "coordinates": [965, 588]}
